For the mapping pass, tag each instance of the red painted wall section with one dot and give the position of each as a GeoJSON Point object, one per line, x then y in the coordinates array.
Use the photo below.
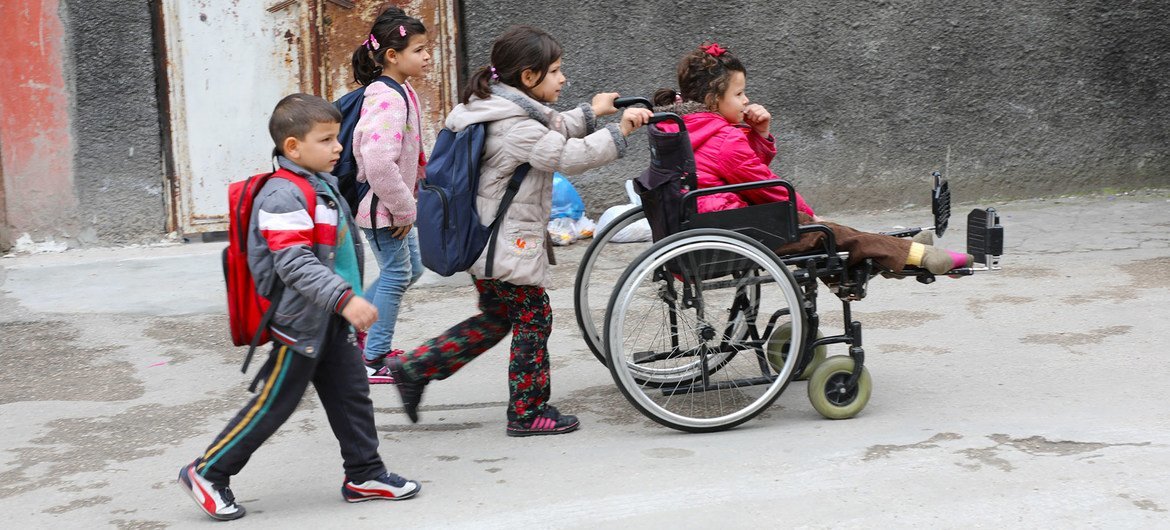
{"type": "Point", "coordinates": [36, 143]}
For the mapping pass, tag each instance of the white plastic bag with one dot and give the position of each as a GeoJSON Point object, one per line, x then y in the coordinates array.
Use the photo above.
{"type": "Point", "coordinates": [561, 231]}
{"type": "Point", "coordinates": [584, 227]}
{"type": "Point", "coordinates": [638, 231]}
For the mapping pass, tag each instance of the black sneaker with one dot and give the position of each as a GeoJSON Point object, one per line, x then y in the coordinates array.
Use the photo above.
{"type": "Point", "coordinates": [217, 502]}
{"type": "Point", "coordinates": [410, 389]}
{"type": "Point", "coordinates": [551, 422]}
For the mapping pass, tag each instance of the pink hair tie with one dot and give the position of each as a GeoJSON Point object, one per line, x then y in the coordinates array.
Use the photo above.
{"type": "Point", "coordinates": [371, 43]}
{"type": "Point", "coordinates": [714, 50]}
{"type": "Point", "coordinates": [494, 74]}
{"type": "Point", "coordinates": [401, 31]}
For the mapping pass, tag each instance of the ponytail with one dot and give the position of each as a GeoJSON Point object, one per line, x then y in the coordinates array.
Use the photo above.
{"type": "Point", "coordinates": [365, 68]}
{"type": "Point", "coordinates": [480, 85]}
{"type": "Point", "coordinates": [664, 97]}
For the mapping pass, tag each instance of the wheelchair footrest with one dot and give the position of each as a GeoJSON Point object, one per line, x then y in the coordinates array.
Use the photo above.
{"type": "Point", "coordinates": [984, 239]}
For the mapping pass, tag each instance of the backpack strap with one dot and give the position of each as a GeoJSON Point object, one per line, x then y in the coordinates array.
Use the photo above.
{"type": "Point", "coordinates": [265, 321]}
{"type": "Point", "coordinates": [390, 82]}
{"type": "Point", "coordinates": [513, 187]}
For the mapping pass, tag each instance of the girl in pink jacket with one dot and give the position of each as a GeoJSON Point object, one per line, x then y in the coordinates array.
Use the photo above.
{"type": "Point", "coordinates": [387, 146]}
{"type": "Point", "coordinates": [732, 144]}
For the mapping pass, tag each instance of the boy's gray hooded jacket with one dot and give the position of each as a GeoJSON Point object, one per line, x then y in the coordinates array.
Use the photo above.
{"type": "Point", "coordinates": [281, 224]}
{"type": "Point", "coordinates": [521, 130]}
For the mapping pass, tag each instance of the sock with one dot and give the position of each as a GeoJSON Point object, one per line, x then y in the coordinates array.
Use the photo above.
{"type": "Point", "coordinates": [926, 237]}
{"type": "Point", "coordinates": [960, 260]}
{"type": "Point", "coordinates": [937, 260]}
{"type": "Point", "coordinates": [917, 250]}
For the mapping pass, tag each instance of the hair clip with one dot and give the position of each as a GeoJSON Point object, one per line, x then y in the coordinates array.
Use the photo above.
{"type": "Point", "coordinates": [494, 74]}
{"type": "Point", "coordinates": [371, 43]}
{"type": "Point", "coordinates": [714, 50]}
{"type": "Point", "coordinates": [401, 30]}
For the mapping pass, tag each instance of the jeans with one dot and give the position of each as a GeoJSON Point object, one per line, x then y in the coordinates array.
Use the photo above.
{"type": "Point", "coordinates": [399, 266]}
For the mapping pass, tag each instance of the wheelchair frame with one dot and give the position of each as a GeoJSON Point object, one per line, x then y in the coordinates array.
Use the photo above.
{"type": "Point", "coordinates": [839, 386]}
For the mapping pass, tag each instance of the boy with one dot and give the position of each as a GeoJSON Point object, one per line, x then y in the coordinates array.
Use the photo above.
{"type": "Point", "coordinates": [311, 248]}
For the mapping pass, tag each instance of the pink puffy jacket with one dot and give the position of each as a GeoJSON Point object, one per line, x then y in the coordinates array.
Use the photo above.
{"type": "Point", "coordinates": [730, 154]}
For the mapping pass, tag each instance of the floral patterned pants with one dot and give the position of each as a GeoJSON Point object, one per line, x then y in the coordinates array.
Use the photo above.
{"type": "Point", "coordinates": [522, 309]}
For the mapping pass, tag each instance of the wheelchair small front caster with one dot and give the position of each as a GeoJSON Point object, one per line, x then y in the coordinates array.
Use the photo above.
{"type": "Point", "coordinates": [828, 393]}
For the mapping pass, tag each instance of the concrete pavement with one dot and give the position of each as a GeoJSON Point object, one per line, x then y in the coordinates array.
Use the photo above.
{"type": "Point", "coordinates": [1032, 397]}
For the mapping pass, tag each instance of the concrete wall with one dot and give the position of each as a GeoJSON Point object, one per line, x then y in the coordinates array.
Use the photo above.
{"type": "Point", "coordinates": [118, 161]}
{"type": "Point", "coordinates": [1010, 99]}
{"type": "Point", "coordinates": [80, 145]}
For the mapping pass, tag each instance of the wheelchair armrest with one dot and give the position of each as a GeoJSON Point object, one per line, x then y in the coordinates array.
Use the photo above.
{"type": "Point", "coordinates": [830, 241]}
{"type": "Point", "coordinates": [692, 196]}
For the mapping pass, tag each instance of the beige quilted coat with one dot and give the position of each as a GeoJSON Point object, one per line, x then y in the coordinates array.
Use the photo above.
{"type": "Point", "coordinates": [520, 130]}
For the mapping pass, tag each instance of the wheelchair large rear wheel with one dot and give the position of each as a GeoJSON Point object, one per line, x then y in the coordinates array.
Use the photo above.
{"type": "Point", "coordinates": [600, 268]}
{"type": "Point", "coordinates": [682, 335]}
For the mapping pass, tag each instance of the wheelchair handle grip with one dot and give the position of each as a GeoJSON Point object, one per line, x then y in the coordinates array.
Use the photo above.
{"type": "Point", "coordinates": [630, 101]}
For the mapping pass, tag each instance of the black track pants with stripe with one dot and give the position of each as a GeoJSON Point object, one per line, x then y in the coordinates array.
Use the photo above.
{"type": "Point", "coordinates": [340, 379]}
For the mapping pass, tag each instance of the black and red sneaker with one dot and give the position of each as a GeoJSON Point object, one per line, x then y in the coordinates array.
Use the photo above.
{"type": "Point", "coordinates": [550, 422]}
{"type": "Point", "coordinates": [387, 486]}
{"type": "Point", "coordinates": [215, 501]}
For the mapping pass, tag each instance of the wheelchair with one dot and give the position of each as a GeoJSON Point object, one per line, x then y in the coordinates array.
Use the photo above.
{"type": "Point", "coordinates": [699, 329]}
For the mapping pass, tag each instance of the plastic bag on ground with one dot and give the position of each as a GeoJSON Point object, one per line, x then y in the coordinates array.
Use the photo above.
{"type": "Point", "coordinates": [561, 231]}
{"type": "Point", "coordinates": [566, 202]}
{"type": "Point", "coordinates": [584, 227]}
{"type": "Point", "coordinates": [638, 231]}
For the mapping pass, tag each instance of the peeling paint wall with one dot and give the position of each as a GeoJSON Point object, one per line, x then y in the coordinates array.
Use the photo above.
{"type": "Point", "coordinates": [35, 137]}
{"type": "Point", "coordinates": [1010, 99]}
{"type": "Point", "coordinates": [118, 162]}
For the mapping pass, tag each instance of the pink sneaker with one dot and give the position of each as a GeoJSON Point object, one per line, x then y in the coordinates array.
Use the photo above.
{"type": "Point", "coordinates": [377, 370]}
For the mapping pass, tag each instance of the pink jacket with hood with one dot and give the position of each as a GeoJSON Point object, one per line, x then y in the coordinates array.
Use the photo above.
{"type": "Point", "coordinates": [727, 153]}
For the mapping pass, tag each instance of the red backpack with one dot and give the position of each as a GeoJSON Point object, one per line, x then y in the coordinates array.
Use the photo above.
{"type": "Point", "coordinates": [249, 313]}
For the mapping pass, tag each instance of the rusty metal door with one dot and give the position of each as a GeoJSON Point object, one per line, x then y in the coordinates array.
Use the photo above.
{"type": "Point", "coordinates": [345, 25]}
{"type": "Point", "coordinates": [228, 62]}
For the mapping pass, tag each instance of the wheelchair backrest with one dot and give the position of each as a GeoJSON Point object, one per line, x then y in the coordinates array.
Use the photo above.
{"type": "Point", "coordinates": [670, 176]}
{"type": "Point", "coordinates": [665, 185]}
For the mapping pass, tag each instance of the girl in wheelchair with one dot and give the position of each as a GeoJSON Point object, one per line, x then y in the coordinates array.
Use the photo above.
{"type": "Point", "coordinates": [732, 144]}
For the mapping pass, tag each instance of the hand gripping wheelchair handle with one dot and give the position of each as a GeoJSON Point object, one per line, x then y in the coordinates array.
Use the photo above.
{"type": "Point", "coordinates": [657, 117]}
